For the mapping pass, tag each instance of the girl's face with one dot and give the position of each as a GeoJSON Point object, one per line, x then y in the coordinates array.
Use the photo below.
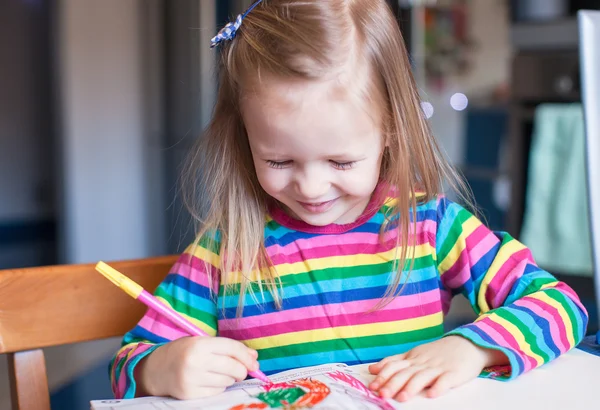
{"type": "Point", "coordinates": [316, 148]}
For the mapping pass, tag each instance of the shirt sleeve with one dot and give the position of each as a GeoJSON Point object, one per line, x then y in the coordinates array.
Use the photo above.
{"type": "Point", "coordinates": [186, 289]}
{"type": "Point", "coordinates": [522, 310]}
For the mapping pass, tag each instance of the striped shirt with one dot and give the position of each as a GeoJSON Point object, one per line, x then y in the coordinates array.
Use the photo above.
{"type": "Point", "coordinates": [332, 277]}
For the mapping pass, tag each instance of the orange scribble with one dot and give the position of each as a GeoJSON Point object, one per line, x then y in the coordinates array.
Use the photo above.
{"type": "Point", "coordinates": [253, 406]}
{"type": "Point", "coordinates": [316, 392]}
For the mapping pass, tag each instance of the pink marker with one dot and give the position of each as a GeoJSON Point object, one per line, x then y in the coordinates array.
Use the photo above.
{"type": "Point", "coordinates": [137, 292]}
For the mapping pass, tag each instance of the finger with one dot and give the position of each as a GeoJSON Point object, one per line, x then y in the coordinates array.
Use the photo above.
{"type": "Point", "coordinates": [418, 383]}
{"type": "Point", "coordinates": [197, 393]}
{"type": "Point", "coordinates": [387, 372]}
{"type": "Point", "coordinates": [238, 351]}
{"type": "Point", "coordinates": [228, 366]}
{"type": "Point", "coordinates": [376, 367]}
{"type": "Point", "coordinates": [214, 379]}
{"type": "Point", "coordinates": [444, 382]}
{"type": "Point", "coordinates": [397, 382]}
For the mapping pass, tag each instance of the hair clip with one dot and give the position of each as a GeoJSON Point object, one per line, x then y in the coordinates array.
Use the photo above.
{"type": "Point", "coordinates": [228, 32]}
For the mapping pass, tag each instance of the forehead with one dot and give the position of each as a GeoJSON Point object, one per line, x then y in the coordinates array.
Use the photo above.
{"type": "Point", "coordinates": [326, 114]}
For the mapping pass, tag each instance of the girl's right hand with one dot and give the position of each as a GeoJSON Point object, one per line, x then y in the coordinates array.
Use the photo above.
{"type": "Point", "coordinates": [194, 367]}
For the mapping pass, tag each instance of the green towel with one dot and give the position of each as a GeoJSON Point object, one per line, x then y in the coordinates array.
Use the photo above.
{"type": "Point", "coordinates": [556, 222]}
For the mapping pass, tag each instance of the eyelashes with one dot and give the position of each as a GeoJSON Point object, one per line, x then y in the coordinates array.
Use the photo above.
{"type": "Point", "coordinates": [278, 165]}
{"type": "Point", "coordinates": [342, 166]}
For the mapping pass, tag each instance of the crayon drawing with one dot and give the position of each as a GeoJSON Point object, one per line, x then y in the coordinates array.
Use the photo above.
{"type": "Point", "coordinates": [325, 387]}
{"type": "Point", "coordinates": [308, 393]}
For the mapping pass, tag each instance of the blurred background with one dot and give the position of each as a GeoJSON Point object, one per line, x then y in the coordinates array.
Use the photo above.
{"type": "Point", "coordinates": [100, 101]}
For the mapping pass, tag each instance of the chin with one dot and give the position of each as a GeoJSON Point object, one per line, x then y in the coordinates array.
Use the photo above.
{"type": "Point", "coordinates": [318, 220]}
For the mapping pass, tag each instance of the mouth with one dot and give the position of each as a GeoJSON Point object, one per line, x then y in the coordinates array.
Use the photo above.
{"type": "Point", "coordinates": [318, 207]}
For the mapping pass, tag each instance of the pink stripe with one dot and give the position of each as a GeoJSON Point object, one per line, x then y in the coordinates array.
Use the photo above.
{"type": "Point", "coordinates": [194, 269]}
{"type": "Point", "coordinates": [483, 245]}
{"type": "Point", "coordinates": [349, 308]}
{"type": "Point", "coordinates": [310, 249]}
{"type": "Point", "coordinates": [570, 293]}
{"type": "Point", "coordinates": [121, 385]}
{"type": "Point", "coordinates": [309, 323]}
{"type": "Point", "coordinates": [160, 326]}
{"type": "Point", "coordinates": [505, 277]}
{"type": "Point", "coordinates": [504, 338]}
{"type": "Point", "coordinates": [460, 272]}
{"type": "Point", "coordinates": [546, 311]}
{"type": "Point", "coordinates": [346, 239]}
{"type": "Point", "coordinates": [475, 239]}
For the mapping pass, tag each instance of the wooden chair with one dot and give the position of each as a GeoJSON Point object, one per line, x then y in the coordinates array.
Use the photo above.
{"type": "Point", "coordinates": [55, 305]}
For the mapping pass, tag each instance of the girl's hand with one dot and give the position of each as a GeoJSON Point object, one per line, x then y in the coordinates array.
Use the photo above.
{"type": "Point", "coordinates": [193, 367]}
{"type": "Point", "coordinates": [440, 365]}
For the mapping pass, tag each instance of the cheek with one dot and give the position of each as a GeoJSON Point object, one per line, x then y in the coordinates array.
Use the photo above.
{"type": "Point", "coordinates": [273, 181]}
{"type": "Point", "coordinates": [362, 181]}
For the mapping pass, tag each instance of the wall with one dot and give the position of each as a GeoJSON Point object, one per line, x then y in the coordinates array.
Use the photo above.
{"type": "Point", "coordinates": [490, 67]}
{"type": "Point", "coordinates": [110, 133]}
{"type": "Point", "coordinates": [109, 142]}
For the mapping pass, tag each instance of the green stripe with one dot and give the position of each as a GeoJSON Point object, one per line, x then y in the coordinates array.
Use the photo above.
{"type": "Point", "coordinates": [530, 337]}
{"type": "Point", "coordinates": [565, 303]}
{"type": "Point", "coordinates": [120, 367]}
{"type": "Point", "coordinates": [179, 306]}
{"type": "Point", "coordinates": [456, 230]}
{"type": "Point", "coordinates": [537, 284]}
{"type": "Point", "coordinates": [352, 343]}
{"type": "Point", "coordinates": [210, 244]}
{"type": "Point", "coordinates": [333, 273]}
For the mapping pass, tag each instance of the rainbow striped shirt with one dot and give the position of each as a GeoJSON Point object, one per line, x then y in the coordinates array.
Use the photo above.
{"type": "Point", "coordinates": [333, 276]}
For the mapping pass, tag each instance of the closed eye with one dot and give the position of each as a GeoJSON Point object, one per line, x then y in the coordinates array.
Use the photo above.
{"type": "Point", "coordinates": [278, 164]}
{"type": "Point", "coordinates": [343, 165]}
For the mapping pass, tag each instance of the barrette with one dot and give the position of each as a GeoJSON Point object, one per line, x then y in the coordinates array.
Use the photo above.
{"type": "Point", "coordinates": [228, 32]}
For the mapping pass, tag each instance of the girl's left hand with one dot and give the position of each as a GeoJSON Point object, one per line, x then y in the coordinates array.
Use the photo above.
{"type": "Point", "coordinates": [439, 366]}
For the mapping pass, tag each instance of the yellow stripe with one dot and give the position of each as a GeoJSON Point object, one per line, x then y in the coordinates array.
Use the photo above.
{"type": "Point", "coordinates": [198, 323]}
{"type": "Point", "coordinates": [127, 346]}
{"type": "Point", "coordinates": [468, 227]}
{"type": "Point", "coordinates": [505, 252]}
{"type": "Point", "coordinates": [516, 333]}
{"type": "Point", "coordinates": [545, 298]}
{"type": "Point", "coordinates": [346, 332]}
{"type": "Point", "coordinates": [205, 255]}
{"type": "Point", "coordinates": [332, 261]}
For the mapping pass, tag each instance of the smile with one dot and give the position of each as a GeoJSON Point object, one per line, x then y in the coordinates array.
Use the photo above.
{"type": "Point", "coordinates": [318, 207]}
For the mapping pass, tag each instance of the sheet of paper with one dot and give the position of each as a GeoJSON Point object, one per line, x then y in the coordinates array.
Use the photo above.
{"type": "Point", "coordinates": [332, 386]}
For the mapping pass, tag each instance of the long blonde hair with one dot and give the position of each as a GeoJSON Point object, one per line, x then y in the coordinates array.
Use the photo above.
{"type": "Point", "coordinates": [303, 39]}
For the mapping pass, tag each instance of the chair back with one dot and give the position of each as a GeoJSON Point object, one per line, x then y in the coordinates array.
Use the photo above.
{"type": "Point", "coordinates": [55, 305]}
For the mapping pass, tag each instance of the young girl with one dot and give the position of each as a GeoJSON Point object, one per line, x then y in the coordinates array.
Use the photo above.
{"type": "Point", "coordinates": [325, 239]}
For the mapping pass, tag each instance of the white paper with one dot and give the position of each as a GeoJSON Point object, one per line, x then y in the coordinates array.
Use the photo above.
{"type": "Point", "coordinates": [332, 386]}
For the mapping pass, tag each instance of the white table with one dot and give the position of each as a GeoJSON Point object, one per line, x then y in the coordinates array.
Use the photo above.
{"type": "Point", "coordinates": [571, 382]}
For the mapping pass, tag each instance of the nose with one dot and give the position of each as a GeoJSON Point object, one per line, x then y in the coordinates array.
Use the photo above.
{"type": "Point", "coordinates": [312, 184]}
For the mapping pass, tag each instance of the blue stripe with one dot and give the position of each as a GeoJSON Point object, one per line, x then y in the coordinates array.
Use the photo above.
{"type": "Point", "coordinates": [328, 298]}
{"type": "Point", "coordinates": [140, 334]}
{"type": "Point", "coordinates": [284, 236]}
{"type": "Point", "coordinates": [530, 274]}
{"type": "Point", "coordinates": [480, 338]}
{"type": "Point", "coordinates": [178, 294]}
{"type": "Point", "coordinates": [445, 223]}
{"type": "Point", "coordinates": [482, 266]}
{"type": "Point", "coordinates": [185, 283]}
{"type": "Point", "coordinates": [354, 356]}
{"type": "Point", "coordinates": [532, 320]}
{"type": "Point", "coordinates": [332, 285]}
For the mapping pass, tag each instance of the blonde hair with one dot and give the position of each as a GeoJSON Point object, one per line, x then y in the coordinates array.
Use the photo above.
{"type": "Point", "coordinates": [301, 39]}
